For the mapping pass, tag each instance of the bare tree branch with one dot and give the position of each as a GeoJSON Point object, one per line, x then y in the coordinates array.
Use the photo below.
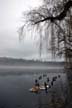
{"type": "Point", "coordinates": [53, 26]}
{"type": "Point", "coordinates": [59, 17]}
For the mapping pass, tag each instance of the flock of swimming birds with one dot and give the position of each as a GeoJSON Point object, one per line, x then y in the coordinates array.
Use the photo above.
{"type": "Point", "coordinates": [53, 78]}
{"type": "Point", "coordinates": [47, 84]}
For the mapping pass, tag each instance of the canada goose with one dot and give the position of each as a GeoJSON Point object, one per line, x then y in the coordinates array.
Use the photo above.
{"type": "Point", "coordinates": [54, 78]}
{"type": "Point", "coordinates": [44, 75]}
{"type": "Point", "coordinates": [48, 79]}
{"type": "Point", "coordinates": [36, 83]}
{"type": "Point", "coordinates": [40, 77]}
{"type": "Point", "coordinates": [52, 83]}
{"type": "Point", "coordinates": [59, 76]}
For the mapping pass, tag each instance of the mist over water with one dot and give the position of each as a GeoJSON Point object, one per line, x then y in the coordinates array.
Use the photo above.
{"type": "Point", "coordinates": [15, 85]}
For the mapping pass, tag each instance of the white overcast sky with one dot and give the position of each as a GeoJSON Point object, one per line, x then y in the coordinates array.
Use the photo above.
{"type": "Point", "coordinates": [10, 17]}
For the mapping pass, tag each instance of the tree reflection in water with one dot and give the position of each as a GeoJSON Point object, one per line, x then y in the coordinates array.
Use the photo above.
{"type": "Point", "coordinates": [57, 96]}
{"type": "Point", "coordinates": [69, 76]}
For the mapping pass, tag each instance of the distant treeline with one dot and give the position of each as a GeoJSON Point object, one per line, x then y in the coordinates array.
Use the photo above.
{"type": "Point", "coordinates": [13, 61]}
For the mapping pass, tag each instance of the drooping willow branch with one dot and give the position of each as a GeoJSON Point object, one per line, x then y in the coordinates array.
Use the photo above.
{"type": "Point", "coordinates": [59, 17]}
{"type": "Point", "coordinates": [42, 18]}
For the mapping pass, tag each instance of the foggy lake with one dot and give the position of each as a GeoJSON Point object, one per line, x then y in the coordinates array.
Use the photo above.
{"type": "Point", "coordinates": [36, 53]}
{"type": "Point", "coordinates": [16, 82]}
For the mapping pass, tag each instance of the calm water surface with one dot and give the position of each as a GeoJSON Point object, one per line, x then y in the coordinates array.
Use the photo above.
{"type": "Point", "coordinates": [14, 90]}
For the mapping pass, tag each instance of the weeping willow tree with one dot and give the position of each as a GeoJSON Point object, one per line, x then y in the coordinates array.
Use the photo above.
{"type": "Point", "coordinates": [51, 23]}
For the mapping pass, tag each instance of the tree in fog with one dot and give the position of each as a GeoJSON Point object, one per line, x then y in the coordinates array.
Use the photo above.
{"type": "Point", "coordinates": [51, 23]}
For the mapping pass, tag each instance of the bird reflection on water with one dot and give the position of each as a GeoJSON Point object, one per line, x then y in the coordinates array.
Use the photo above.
{"type": "Point", "coordinates": [55, 96]}
{"type": "Point", "coordinates": [14, 91]}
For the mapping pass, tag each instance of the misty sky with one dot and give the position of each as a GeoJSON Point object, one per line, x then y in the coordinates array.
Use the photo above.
{"type": "Point", "coordinates": [10, 18]}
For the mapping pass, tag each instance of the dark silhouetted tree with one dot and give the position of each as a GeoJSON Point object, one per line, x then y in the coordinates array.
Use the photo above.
{"type": "Point", "coordinates": [52, 22]}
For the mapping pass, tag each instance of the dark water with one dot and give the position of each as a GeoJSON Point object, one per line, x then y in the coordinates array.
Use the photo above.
{"type": "Point", "coordinates": [14, 90]}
